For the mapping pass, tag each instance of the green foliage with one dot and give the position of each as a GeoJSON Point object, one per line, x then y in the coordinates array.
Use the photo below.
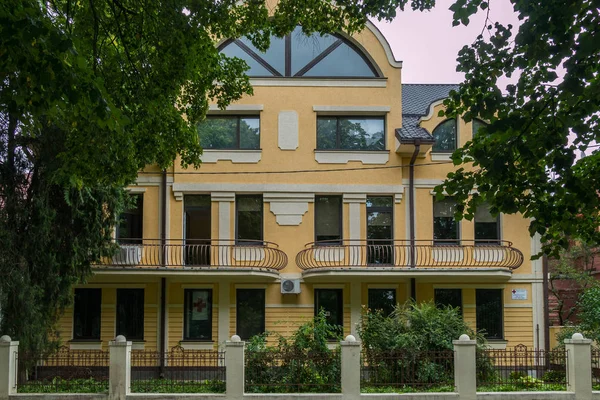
{"type": "Point", "coordinates": [301, 363]}
{"type": "Point", "coordinates": [589, 313]}
{"type": "Point", "coordinates": [174, 386]}
{"type": "Point", "coordinates": [528, 161]}
{"type": "Point", "coordinates": [60, 385]}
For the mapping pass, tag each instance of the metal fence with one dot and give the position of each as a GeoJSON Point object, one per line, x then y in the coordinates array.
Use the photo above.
{"type": "Point", "coordinates": [596, 368]}
{"type": "Point", "coordinates": [408, 370]}
{"type": "Point", "coordinates": [65, 371]}
{"type": "Point", "coordinates": [179, 371]}
{"type": "Point", "coordinates": [273, 371]}
{"type": "Point", "coordinates": [521, 368]}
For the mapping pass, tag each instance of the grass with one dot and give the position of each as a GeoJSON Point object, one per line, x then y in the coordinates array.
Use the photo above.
{"type": "Point", "coordinates": [59, 385]}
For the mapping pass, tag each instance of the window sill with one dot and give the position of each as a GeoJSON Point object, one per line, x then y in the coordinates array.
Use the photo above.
{"type": "Point", "coordinates": [197, 344]}
{"type": "Point", "coordinates": [497, 344]}
{"type": "Point", "coordinates": [345, 156]}
{"type": "Point", "coordinates": [236, 156]}
{"type": "Point", "coordinates": [441, 156]}
{"type": "Point", "coordinates": [85, 344]}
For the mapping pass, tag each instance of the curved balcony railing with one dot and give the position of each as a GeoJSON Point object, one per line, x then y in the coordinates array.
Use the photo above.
{"type": "Point", "coordinates": [399, 254]}
{"type": "Point", "coordinates": [195, 253]}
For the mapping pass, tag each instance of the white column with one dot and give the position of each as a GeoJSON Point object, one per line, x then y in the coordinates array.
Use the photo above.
{"type": "Point", "coordinates": [224, 309]}
{"type": "Point", "coordinates": [350, 349]}
{"type": "Point", "coordinates": [234, 368]}
{"type": "Point", "coordinates": [8, 367]}
{"type": "Point", "coordinates": [464, 367]}
{"type": "Point", "coordinates": [355, 306]}
{"type": "Point", "coordinates": [120, 368]}
{"type": "Point", "coordinates": [356, 256]}
{"type": "Point", "coordinates": [579, 366]}
{"type": "Point", "coordinates": [224, 199]}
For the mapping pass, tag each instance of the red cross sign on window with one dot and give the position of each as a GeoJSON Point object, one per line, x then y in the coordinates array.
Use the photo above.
{"type": "Point", "coordinates": [200, 304]}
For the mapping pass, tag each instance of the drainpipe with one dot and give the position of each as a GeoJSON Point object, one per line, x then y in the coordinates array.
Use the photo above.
{"type": "Point", "coordinates": [163, 262]}
{"type": "Point", "coordinates": [546, 306]}
{"type": "Point", "coordinates": [411, 206]}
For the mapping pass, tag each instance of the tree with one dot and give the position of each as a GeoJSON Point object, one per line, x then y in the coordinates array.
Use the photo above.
{"type": "Point", "coordinates": [527, 158]}
{"type": "Point", "coordinates": [91, 92]}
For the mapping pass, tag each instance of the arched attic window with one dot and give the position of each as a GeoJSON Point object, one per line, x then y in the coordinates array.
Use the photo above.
{"type": "Point", "coordinates": [299, 55]}
{"type": "Point", "coordinates": [445, 137]}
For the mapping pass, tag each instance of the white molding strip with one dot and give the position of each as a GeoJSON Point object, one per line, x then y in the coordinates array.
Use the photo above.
{"type": "Point", "coordinates": [355, 198]}
{"type": "Point", "coordinates": [136, 189]}
{"type": "Point", "coordinates": [441, 156]}
{"type": "Point", "coordinates": [353, 109]}
{"type": "Point", "coordinates": [277, 188]}
{"type": "Point", "coordinates": [222, 196]}
{"type": "Point", "coordinates": [235, 156]}
{"type": "Point", "coordinates": [303, 82]}
{"type": "Point", "coordinates": [344, 157]}
{"type": "Point", "coordinates": [213, 108]}
{"type": "Point", "coordinates": [385, 44]}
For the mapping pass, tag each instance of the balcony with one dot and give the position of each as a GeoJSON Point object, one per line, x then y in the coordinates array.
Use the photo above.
{"type": "Point", "coordinates": [394, 256]}
{"type": "Point", "coordinates": [182, 255]}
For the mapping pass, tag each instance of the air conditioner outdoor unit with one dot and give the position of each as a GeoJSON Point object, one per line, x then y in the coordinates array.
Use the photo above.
{"type": "Point", "coordinates": [290, 286]}
{"type": "Point", "coordinates": [128, 255]}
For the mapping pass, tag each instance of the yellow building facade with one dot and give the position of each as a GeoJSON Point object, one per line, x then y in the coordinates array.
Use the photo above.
{"type": "Point", "coordinates": [314, 193]}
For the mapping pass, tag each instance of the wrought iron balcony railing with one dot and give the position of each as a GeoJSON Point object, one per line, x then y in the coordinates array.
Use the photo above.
{"type": "Point", "coordinates": [400, 254]}
{"type": "Point", "coordinates": [193, 253]}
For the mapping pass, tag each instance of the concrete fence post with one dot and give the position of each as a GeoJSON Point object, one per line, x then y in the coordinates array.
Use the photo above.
{"type": "Point", "coordinates": [119, 378]}
{"type": "Point", "coordinates": [234, 368]}
{"type": "Point", "coordinates": [350, 349]}
{"type": "Point", "coordinates": [465, 374]}
{"type": "Point", "coordinates": [579, 366]}
{"type": "Point", "coordinates": [8, 367]}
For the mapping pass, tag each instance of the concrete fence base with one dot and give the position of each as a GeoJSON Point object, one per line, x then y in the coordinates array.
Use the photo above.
{"type": "Point", "coordinates": [579, 373]}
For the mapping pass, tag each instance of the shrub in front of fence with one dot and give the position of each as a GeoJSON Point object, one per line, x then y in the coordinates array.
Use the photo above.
{"type": "Point", "coordinates": [302, 363]}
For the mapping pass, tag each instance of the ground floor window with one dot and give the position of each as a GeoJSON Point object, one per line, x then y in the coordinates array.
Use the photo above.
{"type": "Point", "coordinates": [86, 314]}
{"type": "Point", "coordinates": [197, 314]}
{"type": "Point", "coordinates": [382, 299]}
{"type": "Point", "coordinates": [489, 310]}
{"type": "Point", "coordinates": [331, 301]}
{"type": "Point", "coordinates": [130, 313]}
{"type": "Point", "coordinates": [250, 312]}
{"type": "Point", "coordinates": [448, 297]}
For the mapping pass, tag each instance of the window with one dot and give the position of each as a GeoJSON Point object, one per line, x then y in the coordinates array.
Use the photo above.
{"type": "Point", "coordinates": [477, 125]}
{"type": "Point", "coordinates": [298, 54]}
{"type": "Point", "coordinates": [445, 137]}
{"type": "Point", "coordinates": [380, 224]}
{"type": "Point", "coordinates": [448, 297]}
{"type": "Point", "coordinates": [131, 222]}
{"type": "Point", "coordinates": [130, 313]}
{"type": "Point", "coordinates": [249, 221]}
{"type": "Point", "coordinates": [328, 219]}
{"type": "Point", "coordinates": [487, 227]}
{"type": "Point", "coordinates": [86, 314]}
{"type": "Point", "coordinates": [250, 312]}
{"type": "Point", "coordinates": [197, 228]}
{"type": "Point", "coordinates": [230, 132]}
{"type": "Point", "coordinates": [382, 299]}
{"type": "Point", "coordinates": [445, 227]}
{"type": "Point", "coordinates": [197, 321]}
{"type": "Point", "coordinates": [331, 301]}
{"type": "Point", "coordinates": [350, 133]}
{"type": "Point", "coordinates": [489, 312]}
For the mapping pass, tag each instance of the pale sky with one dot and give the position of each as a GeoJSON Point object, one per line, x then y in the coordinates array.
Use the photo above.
{"type": "Point", "coordinates": [427, 44]}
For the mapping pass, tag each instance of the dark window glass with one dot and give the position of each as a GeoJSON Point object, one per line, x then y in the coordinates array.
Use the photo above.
{"type": "Point", "coordinates": [250, 312]}
{"type": "Point", "coordinates": [350, 133]}
{"type": "Point", "coordinates": [489, 311]}
{"type": "Point", "coordinates": [328, 219]}
{"type": "Point", "coordinates": [230, 132]}
{"type": "Point", "coordinates": [380, 225]}
{"type": "Point", "coordinates": [332, 302]}
{"type": "Point", "coordinates": [477, 125]}
{"type": "Point", "coordinates": [86, 314]}
{"type": "Point", "coordinates": [198, 314]}
{"type": "Point", "coordinates": [448, 297]}
{"type": "Point", "coordinates": [130, 313]}
{"type": "Point", "coordinates": [382, 299]}
{"type": "Point", "coordinates": [131, 225]}
{"type": "Point", "coordinates": [487, 227]}
{"type": "Point", "coordinates": [299, 54]}
{"type": "Point", "coordinates": [249, 218]}
{"type": "Point", "coordinates": [445, 227]}
{"type": "Point", "coordinates": [197, 228]}
{"type": "Point", "coordinates": [445, 137]}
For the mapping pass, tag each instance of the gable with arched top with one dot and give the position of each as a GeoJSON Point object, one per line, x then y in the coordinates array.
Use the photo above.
{"type": "Point", "coordinates": [300, 55]}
